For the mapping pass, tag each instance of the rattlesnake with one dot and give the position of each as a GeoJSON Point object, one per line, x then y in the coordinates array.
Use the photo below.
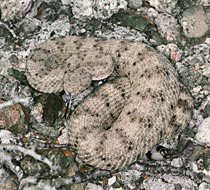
{"type": "Point", "coordinates": [125, 117]}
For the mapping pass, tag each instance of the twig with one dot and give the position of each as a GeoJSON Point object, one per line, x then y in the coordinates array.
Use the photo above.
{"type": "Point", "coordinates": [29, 152]}
{"type": "Point", "coordinates": [25, 101]}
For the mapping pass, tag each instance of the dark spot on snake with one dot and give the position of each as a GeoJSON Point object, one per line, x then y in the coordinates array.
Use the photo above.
{"type": "Point", "coordinates": [162, 99]}
{"type": "Point", "coordinates": [107, 104]}
{"type": "Point", "coordinates": [108, 165]}
{"type": "Point", "coordinates": [141, 75]}
{"type": "Point", "coordinates": [97, 115]}
{"type": "Point", "coordinates": [134, 63]}
{"type": "Point", "coordinates": [118, 55]}
{"type": "Point", "coordinates": [123, 95]}
{"type": "Point", "coordinates": [126, 48]}
{"type": "Point", "coordinates": [150, 125]}
{"type": "Point", "coordinates": [153, 96]}
{"type": "Point", "coordinates": [103, 158]}
{"type": "Point", "coordinates": [129, 148]}
{"type": "Point", "coordinates": [137, 93]}
{"type": "Point", "coordinates": [173, 119]}
{"type": "Point", "coordinates": [172, 107]}
{"type": "Point", "coordinates": [111, 114]}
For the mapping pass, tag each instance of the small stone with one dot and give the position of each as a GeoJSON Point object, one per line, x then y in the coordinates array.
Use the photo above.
{"type": "Point", "coordinates": [84, 9]}
{"type": "Point", "coordinates": [112, 180]}
{"type": "Point", "coordinates": [10, 89]}
{"type": "Point", "coordinates": [163, 5]}
{"type": "Point", "coordinates": [204, 186]}
{"type": "Point", "coordinates": [14, 118]}
{"type": "Point", "coordinates": [10, 8]}
{"type": "Point", "coordinates": [171, 51]}
{"type": "Point", "coordinates": [177, 162]}
{"type": "Point", "coordinates": [204, 3]}
{"type": "Point", "coordinates": [152, 13]}
{"type": "Point", "coordinates": [206, 71]}
{"type": "Point", "coordinates": [196, 90]}
{"type": "Point", "coordinates": [135, 3]}
{"type": "Point", "coordinates": [66, 2]}
{"type": "Point", "coordinates": [6, 137]}
{"type": "Point", "coordinates": [207, 41]}
{"type": "Point", "coordinates": [194, 22]}
{"type": "Point", "coordinates": [203, 133]}
{"type": "Point", "coordinates": [91, 186]}
{"type": "Point", "coordinates": [167, 26]}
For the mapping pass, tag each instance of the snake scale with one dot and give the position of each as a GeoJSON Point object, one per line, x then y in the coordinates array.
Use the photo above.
{"type": "Point", "coordinates": [125, 117]}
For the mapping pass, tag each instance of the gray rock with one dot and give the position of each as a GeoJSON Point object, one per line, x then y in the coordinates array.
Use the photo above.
{"type": "Point", "coordinates": [163, 5]}
{"type": "Point", "coordinates": [167, 27]}
{"type": "Point", "coordinates": [194, 22]}
{"type": "Point", "coordinates": [91, 186]}
{"type": "Point", "coordinates": [168, 182]}
{"type": "Point", "coordinates": [203, 133]}
{"type": "Point", "coordinates": [86, 9]}
{"type": "Point", "coordinates": [135, 3]}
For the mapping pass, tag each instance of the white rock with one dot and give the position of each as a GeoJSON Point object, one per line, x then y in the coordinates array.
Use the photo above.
{"type": "Point", "coordinates": [204, 186]}
{"type": "Point", "coordinates": [204, 2]}
{"type": "Point", "coordinates": [112, 180]}
{"type": "Point", "coordinates": [135, 3]}
{"type": "Point", "coordinates": [167, 26]}
{"type": "Point", "coordinates": [103, 9]}
{"type": "Point", "coordinates": [163, 5]}
{"type": "Point", "coordinates": [152, 13]}
{"type": "Point", "coordinates": [10, 8]}
{"type": "Point", "coordinates": [66, 2]}
{"type": "Point", "coordinates": [207, 41]}
{"type": "Point", "coordinates": [6, 137]}
{"type": "Point", "coordinates": [91, 186]}
{"type": "Point", "coordinates": [203, 133]}
{"type": "Point", "coordinates": [177, 162]}
{"type": "Point", "coordinates": [169, 182]}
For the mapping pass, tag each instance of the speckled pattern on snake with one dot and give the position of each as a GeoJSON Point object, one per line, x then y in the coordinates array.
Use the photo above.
{"type": "Point", "coordinates": [125, 117]}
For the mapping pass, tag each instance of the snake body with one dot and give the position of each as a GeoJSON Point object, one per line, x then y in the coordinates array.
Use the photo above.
{"type": "Point", "coordinates": [124, 118]}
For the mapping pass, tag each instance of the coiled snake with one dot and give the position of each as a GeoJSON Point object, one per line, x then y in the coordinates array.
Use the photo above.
{"type": "Point", "coordinates": [125, 117]}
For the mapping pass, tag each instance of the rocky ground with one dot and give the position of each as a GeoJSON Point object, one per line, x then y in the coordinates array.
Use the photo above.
{"type": "Point", "coordinates": [179, 29]}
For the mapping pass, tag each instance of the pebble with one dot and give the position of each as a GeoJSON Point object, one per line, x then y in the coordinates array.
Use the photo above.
{"type": "Point", "coordinates": [135, 3]}
{"type": "Point", "coordinates": [204, 3]}
{"type": "Point", "coordinates": [203, 134]}
{"type": "Point", "coordinates": [207, 41]}
{"type": "Point", "coordinates": [129, 178]}
{"type": "Point", "coordinates": [10, 8]}
{"type": "Point", "coordinates": [14, 118]}
{"type": "Point", "coordinates": [6, 137]}
{"type": "Point", "coordinates": [10, 89]}
{"type": "Point", "coordinates": [204, 186]}
{"type": "Point", "coordinates": [194, 22]}
{"type": "Point", "coordinates": [169, 182]}
{"type": "Point", "coordinates": [112, 180]}
{"type": "Point", "coordinates": [167, 6]}
{"type": "Point", "coordinates": [171, 51]}
{"type": "Point", "coordinates": [91, 186]}
{"type": "Point", "coordinates": [167, 27]}
{"type": "Point", "coordinates": [177, 162]}
{"type": "Point", "coordinates": [86, 9]}
{"type": "Point", "coordinates": [7, 181]}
